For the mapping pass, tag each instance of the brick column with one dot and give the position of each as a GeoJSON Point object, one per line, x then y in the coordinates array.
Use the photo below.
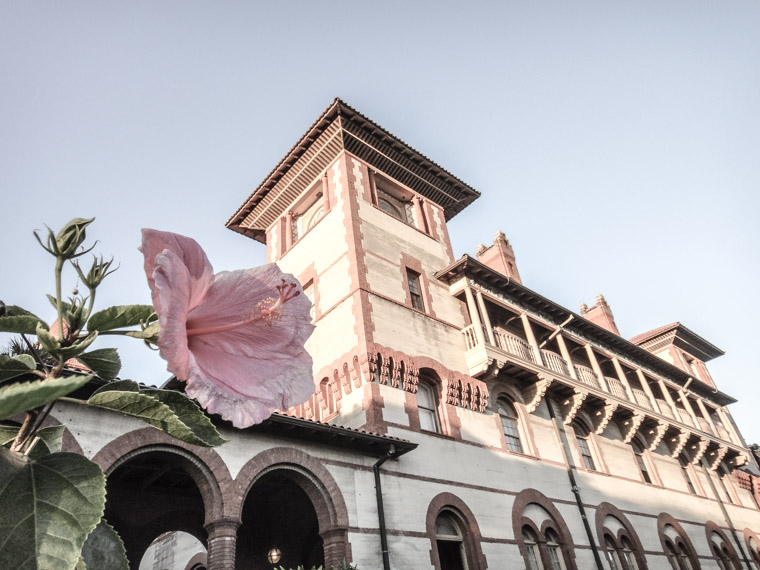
{"type": "Point", "coordinates": [222, 538]}
{"type": "Point", "coordinates": [335, 546]}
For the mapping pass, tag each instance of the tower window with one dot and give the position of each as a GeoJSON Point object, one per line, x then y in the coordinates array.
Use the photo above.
{"type": "Point", "coordinates": [415, 290]}
{"type": "Point", "coordinates": [509, 425]}
{"type": "Point", "coordinates": [428, 410]}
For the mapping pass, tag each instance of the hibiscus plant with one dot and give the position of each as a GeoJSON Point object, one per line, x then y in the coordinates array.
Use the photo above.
{"type": "Point", "coordinates": [52, 502]}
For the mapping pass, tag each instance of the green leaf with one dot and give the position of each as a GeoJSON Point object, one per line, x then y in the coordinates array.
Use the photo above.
{"type": "Point", "coordinates": [23, 396]}
{"type": "Point", "coordinates": [52, 437]}
{"type": "Point", "coordinates": [16, 311]}
{"type": "Point", "coordinates": [190, 414]}
{"type": "Point", "coordinates": [104, 549]}
{"type": "Point", "coordinates": [105, 362]}
{"type": "Point", "coordinates": [171, 412]}
{"type": "Point", "coordinates": [119, 317]}
{"type": "Point", "coordinates": [24, 324]}
{"type": "Point", "coordinates": [119, 385]}
{"type": "Point", "coordinates": [64, 305]}
{"type": "Point", "coordinates": [16, 366]}
{"type": "Point", "coordinates": [148, 333]}
{"type": "Point", "coordinates": [78, 347]}
{"type": "Point", "coordinates": [8, 434]}
{"type": "Point", "coordinates": [50, 505]}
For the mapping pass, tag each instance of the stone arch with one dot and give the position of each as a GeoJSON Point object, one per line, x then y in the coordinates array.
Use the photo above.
{"type": "Point", "coordinates": [710, 528]}
{"type": "Point", "coordinates": [450, 503]}
{"type": "Point", "coordinates": [607, 509]}
{"type": "Point", "coordinates": [527, 497]}
{"type": "Point", "coordinates": [317, 483]}
{"type": "Point", "coordinates": [203, 464]}
{"type": "Point", "coordinates": [663, 520]}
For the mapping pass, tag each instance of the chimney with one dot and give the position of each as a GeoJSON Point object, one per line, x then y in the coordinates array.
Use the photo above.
{"type": "Point", "coordinates": [499, 257]}
{"type": "Point", "coordinates": [600, 314]}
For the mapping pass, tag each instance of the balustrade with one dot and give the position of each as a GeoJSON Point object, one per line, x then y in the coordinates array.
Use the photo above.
{"type": "Point", "coordinates": [685, 417]}
{"type": "Point", "coordinates": [642, 399]}
{"type": "Point", "coordinates": [470, 338]}
{"type": "Point", "coordinates": [586, 375]}
{"type": "Point", "coordinates": [513, 344]}
{"type": "Point", "coordinates": [555, 362]}
{"type": "Point", "coordinates": [616, 387]}
{"type": "Point", "coordinates": [704, 425]}
{"type": "Point", "coordinates": [665, 409]}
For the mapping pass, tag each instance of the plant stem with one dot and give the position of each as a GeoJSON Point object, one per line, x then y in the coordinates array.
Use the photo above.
{"type": "Point", "coordinates": [58, 302]}
{"type": "Point", "coordinates": [23, 433]}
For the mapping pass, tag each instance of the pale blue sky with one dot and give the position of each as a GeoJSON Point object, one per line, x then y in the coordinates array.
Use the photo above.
{"type": "Point", "coordinates": [617, 145]}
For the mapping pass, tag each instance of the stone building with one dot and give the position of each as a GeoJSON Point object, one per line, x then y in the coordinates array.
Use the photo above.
{"type": "Point", "coordinates": [460, 420]}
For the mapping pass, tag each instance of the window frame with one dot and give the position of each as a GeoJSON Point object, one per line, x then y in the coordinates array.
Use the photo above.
{"type": "Point", "coordinates": [415, 290]}
{"type": "Point", "coordinates": [585, 446]}
{"type": "Point", "coordinates": [431, 412]}
{"type": "Point", "coordinates": [514, 442]}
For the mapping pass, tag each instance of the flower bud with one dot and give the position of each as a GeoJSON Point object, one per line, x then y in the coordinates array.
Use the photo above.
{"type": "Point", "coordinates": [71, 237]}
{"type": "Point", "coordinates": [96, 274]}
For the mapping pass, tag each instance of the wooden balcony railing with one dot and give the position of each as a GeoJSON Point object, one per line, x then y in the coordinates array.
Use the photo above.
{"type": "Point", "coordinates": [665, 409]}
{"type": "Point", "coordinates": [642, 399]}
{"type": "Point", "coordinates": [513, 344]}
{"type": "Point", "coordinates": [555, 362]}
{"type": "Point", "coordinates": [685, 417]}
{"type": "Point", "coordinates": [586, 375]}
{"type": "Point", "coordinates": [470, 338]}
{"type": "Point", "coordinates": [616, 387]}
{"type": "Point", "coordinates": [704, 425]}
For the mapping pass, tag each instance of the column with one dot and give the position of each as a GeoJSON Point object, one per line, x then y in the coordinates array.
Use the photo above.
{"type": "Point", "coordinates": [288, 237]}
{"type": "Point", "coordinates": [687, 405]}
{"type": "Point", "coordinates": [623, 379]}
{"type": "Point", "coordinates": [669, 399]}
{"type": "Point", "coordinates": [334, 542]}
{"type": "Point", "coordinates": [474, 316]}
{"type": "Point", "coordinates": [706, 415]}
{"type": "Point", "coordinates": [486, 318]}
{"type": "Point", "coordinates": [648, 389]}
{"type": "Point", "coordinates": [531, 338]}
{"type": "Point", "coordinates": [729, 425]}
{"type": "Point", "coordinates": [595, 365]}
{"type": "Point", "coordinates": [222, 537]}
{"type": "Point", "coordinates": [566, 355]}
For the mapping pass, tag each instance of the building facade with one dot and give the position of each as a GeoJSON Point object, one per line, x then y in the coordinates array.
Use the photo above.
{"type": "Point", "coordinates": [460, 420]}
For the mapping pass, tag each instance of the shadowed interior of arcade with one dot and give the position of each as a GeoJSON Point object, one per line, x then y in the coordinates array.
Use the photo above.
{"type": "Point", "coordinates": [278, 518]}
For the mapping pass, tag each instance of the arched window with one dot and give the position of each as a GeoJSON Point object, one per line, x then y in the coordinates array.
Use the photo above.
{"type": "Point", "coordinates": [532, 554]}
{"type": "Point", "coordinates": [641, 461]}
{"type": "Point", "coordinates": [722, 550]}
{"type": "Point", "coordinates": [582, 437]}
{"type": "Point", "coordinates": [677, 549]}
{"type": "Point", "coordinates": [328, 397]}
{"type": "Point", "coordinates": [427, 405]}
{"type": "Point", "coordinates": [622, 547]}
{"type": "Point", "coordinates": [686, 472]}
{"type": "Point", "coordinates": [545, 543]}
{"type": "Point", "coordinates": [754, 548]}
{"type": "Point", "coordinates": [450, 543]}
{"type": "Point", "coordinates": [510, 424]}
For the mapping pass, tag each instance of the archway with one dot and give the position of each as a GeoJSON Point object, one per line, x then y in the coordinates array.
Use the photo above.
{"type": "Point", "coordinates": [152, 493]}
{"type": "Point", "coordinates": [278, 514]}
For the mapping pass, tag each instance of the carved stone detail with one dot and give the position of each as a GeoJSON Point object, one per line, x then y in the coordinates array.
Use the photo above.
{"type": "Point", "coordinates": [571, 405]}
{"type": "Point", "coordinates": [657, 434]}
{"type": "Point", "coordinates": [678, 443]}
{"type": "Point", "coordinates": [718, 456]}
{"type": "Point", "coordinates": [631, 426]}
{"type": "Point", "coordinates": [410, 380]}
{"type": "Point", "coordinates": [384, 370]}
{"type": "Point", "coordinates": [701, 447]}
{"type": "Point", "coordinates": [540, 387]}
{"type": "Point", "coordinates": [603, 417]}
{"type": "Point", "coordinates": [396, 373]}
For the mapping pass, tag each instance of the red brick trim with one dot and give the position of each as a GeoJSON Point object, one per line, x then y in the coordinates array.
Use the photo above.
{"type": "Point", "coordinates": [197, 561]}
{"type": "Point", "coordinates": [204, 465]}
{"type": "Point", "coordinates": [711, 527]}
{"type": "Point", "coordinates": [607, 509]}
{"type": "Point", "coordinates": [754, 553]}
{"type": "Point", "coordinates": [532, 496]}
{"type": "Point", "coordinates": [308, 473]}
{"type": "Point", "coordinates": [665, 519]}
{"type": "Point", "coordinates": [450, 503]}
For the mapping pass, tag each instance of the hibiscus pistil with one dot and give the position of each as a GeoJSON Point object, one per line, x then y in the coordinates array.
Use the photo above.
{"type": "Point", "coordinates": [267, 311]}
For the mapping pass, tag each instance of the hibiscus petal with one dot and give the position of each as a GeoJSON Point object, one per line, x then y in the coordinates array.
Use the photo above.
{"type": "Point", "coordinates": [192, 255]}
{"type": "Point", "coordinates": [172, 286]}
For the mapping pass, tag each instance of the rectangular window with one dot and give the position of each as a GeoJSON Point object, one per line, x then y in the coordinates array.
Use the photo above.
{"type": "Point", "coordinates": [415, 291]}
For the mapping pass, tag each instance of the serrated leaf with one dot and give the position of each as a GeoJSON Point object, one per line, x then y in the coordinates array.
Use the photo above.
{"type": "Point", "coordinates": [52, 437]}
{"type": "Point", "coordinates": [105, 362]}
{"type": "Point", "coordinates": [104, 549]}
{"type": "Point", "coordinates": [23, 396]}
{"type": "Point", "coordinates": [50, 505]}
{"type": "Point", "coordinates": [64, 305]}
{"type": "Point", "coordinates": [78, 347]}
{"type": "Point", "coordinates": [120, 316]}
{"type": "Point", "coordinates": [23, 324]}
{"type": "Point", "coordinates": [190, 414]}
{"type": "Point", "coordinates": [119, 385]}
{"type": "Point", "coordinates": [16, 366]}
{"type": "Point", "coordinates": [163, 416]}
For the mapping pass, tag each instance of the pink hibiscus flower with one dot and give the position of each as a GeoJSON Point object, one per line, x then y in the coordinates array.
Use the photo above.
{"type": "Point", "coordinates": [236, 338]}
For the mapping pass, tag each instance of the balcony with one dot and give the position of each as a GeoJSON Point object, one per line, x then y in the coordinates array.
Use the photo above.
{"type": "Point", "coordinates": [685, 417]}
{"type": "Point", "coordinates": [665, 409]}
{"type": "Point", "coordinates": [513, 344]}
{"type": "Point", "coordinates": [587, 376]}
{"type": "Point", "coordinates": [554, 362]}
{"type": "Point", "coordinates": [642, 399]}
{"type": "Point", "coordinates": [616, 388]}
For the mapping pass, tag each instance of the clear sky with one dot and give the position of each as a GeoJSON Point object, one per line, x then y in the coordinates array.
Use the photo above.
{"type": "Point", "coordinates": [616, 144]}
